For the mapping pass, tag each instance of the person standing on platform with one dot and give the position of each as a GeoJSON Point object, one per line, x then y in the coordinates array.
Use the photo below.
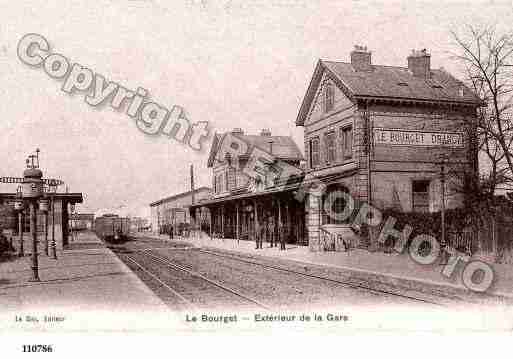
{"type": "Point", "coordinates": [271, 232]}
{"type": "Point", "coordinates": [253, 233]}
{"type": "Point", "coordinates": [263, 233]}
{"type": "Point", "coordinates": [258, 235]}
{"type": "Point", "coordinates": [282, 234]}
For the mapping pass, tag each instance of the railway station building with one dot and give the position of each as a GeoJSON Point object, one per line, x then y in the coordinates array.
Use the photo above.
{"type": "Point", "coordinates": [378, 133]}
{"type": "Point", "coordinates": [174, 210]}
{"type": "Point", "coordinates": [240, 201]}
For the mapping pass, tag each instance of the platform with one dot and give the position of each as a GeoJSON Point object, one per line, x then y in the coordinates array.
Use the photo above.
{"type": "Point", "coordinates": [88, 286]}
{"type": "Point", "coordinates": [391, 268]}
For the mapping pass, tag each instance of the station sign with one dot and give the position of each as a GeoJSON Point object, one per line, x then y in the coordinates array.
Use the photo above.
{"type": "Point", "coordinates": [396, 137]}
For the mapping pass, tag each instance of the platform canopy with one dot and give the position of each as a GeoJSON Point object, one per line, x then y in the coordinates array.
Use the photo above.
{"type": "Point", "coordinates": [72, 198]}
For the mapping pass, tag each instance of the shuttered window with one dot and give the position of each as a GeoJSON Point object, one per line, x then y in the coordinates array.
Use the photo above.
{"type": "Point", "coordinates": [314, 152]}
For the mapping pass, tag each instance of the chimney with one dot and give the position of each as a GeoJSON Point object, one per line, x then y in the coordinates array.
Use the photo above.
{"type": "Point", "coordinates": [237, 131]}
{"type": "Point", "coordinates": [419, 63]}
{"type": "Point", "coordinates": [361, 58]}
{"type": "Point", "coordinates": [265, 132]}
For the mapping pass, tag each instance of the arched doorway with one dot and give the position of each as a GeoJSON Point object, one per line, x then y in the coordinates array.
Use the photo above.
{"type": "Point", "coordinates": [335, 207]}
{"type": "Point", "coordinates": [336, 232]}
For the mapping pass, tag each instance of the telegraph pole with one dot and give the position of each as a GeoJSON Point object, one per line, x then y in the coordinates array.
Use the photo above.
{"type": "Point", "coordinates": [192, 212]}
{"type": "Point", "coordinates": [443, 243]}
{"type": "Point", "coordinates": [192, 184]}
{"type": "Point", "coordinates": [443, 203]}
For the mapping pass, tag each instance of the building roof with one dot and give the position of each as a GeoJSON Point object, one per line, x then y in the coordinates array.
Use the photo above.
{"type": "Point", "coordinates": [391, 83]}
{"type": "Point", "coordinates": [179, 195]}
{"type": "Point", "coordinates": [245, 195]}
{"type": "Point", "coordinates": [283, 147]}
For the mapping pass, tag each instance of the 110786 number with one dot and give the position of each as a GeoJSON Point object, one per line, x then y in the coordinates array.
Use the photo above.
{"type": "Point", "coordinates": [37, 348]}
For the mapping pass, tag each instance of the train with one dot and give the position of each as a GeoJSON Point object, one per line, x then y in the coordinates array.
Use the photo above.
{"type": "Point", "coordinates": [112, 228]}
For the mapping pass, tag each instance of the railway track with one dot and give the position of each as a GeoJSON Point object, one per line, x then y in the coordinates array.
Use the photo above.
{"type": "Point", "coordinates": [189, 304]}
{"type": "Point", "coordinates": [192, 289]}
{"type": "Point", "coordinates": [382, 289]}
{"type": "Point", "coordinates": [331, 280]}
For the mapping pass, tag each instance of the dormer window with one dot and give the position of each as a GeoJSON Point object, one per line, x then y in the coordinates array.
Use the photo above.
{"type": "Point", "coordinates": [329, 99]}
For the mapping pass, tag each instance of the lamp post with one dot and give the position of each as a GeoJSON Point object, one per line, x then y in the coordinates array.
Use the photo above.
{"type": "Point", "coordinates": [32, 189]}
{"type": "Point", "coordinates": [18, 207]}
{"type": "Point", "coordinates": [52, 190]}
{"type": "Point", "coordinates": [43, 207]}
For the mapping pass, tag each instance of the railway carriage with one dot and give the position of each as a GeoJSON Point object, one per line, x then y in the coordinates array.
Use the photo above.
{"type": "Point", "coordinates": [112, 228]}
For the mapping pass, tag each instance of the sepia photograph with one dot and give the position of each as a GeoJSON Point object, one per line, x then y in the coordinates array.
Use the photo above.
{"type": "Point", "coordinates": [178, 170]}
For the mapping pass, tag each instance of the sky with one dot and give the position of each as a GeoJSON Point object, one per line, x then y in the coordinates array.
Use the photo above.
{"type": "Point", "coordinates": [232, 63]}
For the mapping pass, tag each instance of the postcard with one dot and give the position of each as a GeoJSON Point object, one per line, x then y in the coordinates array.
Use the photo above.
{"type": "Point", "coordinates": [178, 170]}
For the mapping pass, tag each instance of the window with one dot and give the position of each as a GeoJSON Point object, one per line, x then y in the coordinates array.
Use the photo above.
{"type": "Point", "coordinates": [314, 152]}
{"type": "Point", "coordinates": [241, 180]}
{"type": "Point", "coordinates": [227, 187]}
{"type": "Point", "coordinates": [346, 142]}
{"type": "Point", "coordinates": [330, 147]}
{"type": "Point", "coordinates": [221, 183]}
{"type": "Point", "coordinates": [217, 183]}
{"type": "Point", "coordinates": [334, 205]}
{"type": "Point", "coordinates": [328, 98]}
{"type": "Point", "coordinates": [420, 196]}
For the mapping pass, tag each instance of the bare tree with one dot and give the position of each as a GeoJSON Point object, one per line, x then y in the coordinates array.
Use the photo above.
{"type": "Point", "coordinates": [487, 59]}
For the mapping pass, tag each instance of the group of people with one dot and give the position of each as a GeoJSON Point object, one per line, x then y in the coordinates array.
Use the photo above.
{"type": "Point", "coordinates": [267, 230]}
{"type": "Point", "coordinates": [179, 230]}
